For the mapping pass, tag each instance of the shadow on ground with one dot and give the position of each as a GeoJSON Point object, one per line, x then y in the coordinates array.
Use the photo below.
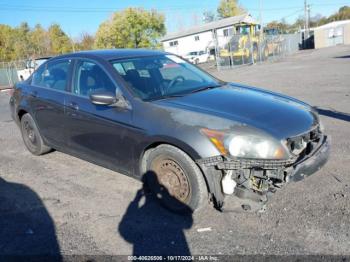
{"type": "Point", "coordinates": [26, 228]}
{"type": "Point", "coordinates": [334, 114]}
{"type": "Point", "coordinates": [344, 56]}
{"type": "Point", "coordinates": [153, 230]}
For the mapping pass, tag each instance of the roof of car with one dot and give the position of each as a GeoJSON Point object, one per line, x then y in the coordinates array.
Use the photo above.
{"type": "Point", "coordinates": [110, 54]}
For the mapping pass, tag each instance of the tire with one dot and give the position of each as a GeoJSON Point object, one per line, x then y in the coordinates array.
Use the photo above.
{"type": "Point", "coordinates": [31, 136]}
{"type": "Point", "coordinates": [175, 180]}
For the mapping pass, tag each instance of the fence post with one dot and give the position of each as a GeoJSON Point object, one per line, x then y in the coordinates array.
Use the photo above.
{"type": "Point", "coordinates": [217, 55]}
{"type": "Point", "coordinates": [251, 49]}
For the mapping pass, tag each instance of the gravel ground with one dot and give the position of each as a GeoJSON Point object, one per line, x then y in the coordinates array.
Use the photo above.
{"type": "Point", "coordinates": [59, 204]}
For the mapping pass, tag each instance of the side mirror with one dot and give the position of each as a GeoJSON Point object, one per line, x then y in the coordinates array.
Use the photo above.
{"type": "Point", "coordinates": [103, 98]}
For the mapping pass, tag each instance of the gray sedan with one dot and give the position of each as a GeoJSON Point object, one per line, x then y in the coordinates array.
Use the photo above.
{"type": "Point", "coordinates": [190, 137]}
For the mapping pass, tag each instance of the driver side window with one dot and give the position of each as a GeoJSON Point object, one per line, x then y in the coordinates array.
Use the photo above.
{"type": "Point", "coordinates": [90, 77]}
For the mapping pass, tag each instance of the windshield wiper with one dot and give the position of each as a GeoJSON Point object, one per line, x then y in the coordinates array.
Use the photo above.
{"type": "Point", "coordinates": [205, 88]}
{"type": "Point", "coordinates": [166, 96]}
{"type": "Point", "coordinates": [184, 94]}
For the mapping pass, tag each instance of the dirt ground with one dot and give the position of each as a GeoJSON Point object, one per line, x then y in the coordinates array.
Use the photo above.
{"type": "Point", "coordinates": [59, 204]}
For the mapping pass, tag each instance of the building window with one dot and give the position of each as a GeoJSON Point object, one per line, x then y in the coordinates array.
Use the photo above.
{"type": "Point", "coordinates": [196, 38]}
{"type": "Point", "coordinates": [173, 43]}
{"type": "Point", "coordinates": [228, 32]}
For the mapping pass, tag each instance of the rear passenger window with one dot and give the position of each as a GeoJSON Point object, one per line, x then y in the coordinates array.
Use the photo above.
{"type": "Point", "coordinates": [54, 75]}
{"type": "Point", "coordinates": [91, 78]}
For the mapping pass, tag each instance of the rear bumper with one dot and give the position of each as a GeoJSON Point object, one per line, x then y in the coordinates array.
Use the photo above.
{"type": "Point", "coordinates": [313, 163]}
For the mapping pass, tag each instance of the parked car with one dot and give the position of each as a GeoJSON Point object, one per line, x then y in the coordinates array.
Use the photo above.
{"type": "Point", "coordinates": [197, 57]}
{"type": "Point", "coordinates": [140, 112]}
{"type": "Point", "coordinates": [30, 66]}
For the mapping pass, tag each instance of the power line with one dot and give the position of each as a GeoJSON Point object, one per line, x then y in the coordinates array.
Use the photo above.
{"type": "Point", "coordinates": [86, 9]}
{"type": "Point", "coordinates": [292, 14]}
{"type": "Point", "coordinates": [89, 11]}
{"type": "Point", "coordinates": [70, 9]}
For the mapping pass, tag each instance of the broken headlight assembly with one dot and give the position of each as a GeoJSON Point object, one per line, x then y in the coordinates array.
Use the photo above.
{"type": "Point", "coordinates": [242, 145]}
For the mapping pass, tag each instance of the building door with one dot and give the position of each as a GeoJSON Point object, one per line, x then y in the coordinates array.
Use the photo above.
{"type": "Point", "coordinates": [335, 36]}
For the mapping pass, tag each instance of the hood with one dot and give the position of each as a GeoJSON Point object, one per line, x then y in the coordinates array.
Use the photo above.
{"type": "Point", "coordinates": [278, 115]}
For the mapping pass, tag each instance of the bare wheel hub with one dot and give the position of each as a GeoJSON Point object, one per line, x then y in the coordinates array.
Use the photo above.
{"type": "Point", "coordinates": [30, 132]}
{"type": "Point", "coordinates": [173, 178]}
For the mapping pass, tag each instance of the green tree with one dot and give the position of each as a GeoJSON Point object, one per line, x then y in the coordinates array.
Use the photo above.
{"type": "Point", "coordinates": [342, 14]}
{"type": "Point", "coordinates": [86, 42]}
{"type": "Point", "coordinates": [131, 28]}
{"type": "Point", "coordinates": [228, 8]}
{"type": "Point", "coordinates": [21, 40]}
{"type": "Point", "coordinates": [282, 26]}
{"type": "Point", "coordinates": [208, 16]}
{"type": "Point", "coordinates": [7, 38]}
{"type": "Point", "coordinates": [60, 43]}
{"type": "Point", "coordinates": [39, 41]}
{"type": "Point", "coordinates": [317, 20]}
{"type": "Point", "coordinates": [298, 24]}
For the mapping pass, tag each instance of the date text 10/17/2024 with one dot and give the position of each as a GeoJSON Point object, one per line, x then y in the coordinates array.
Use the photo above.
{"type": "Point", "coordinates": [172, 258]}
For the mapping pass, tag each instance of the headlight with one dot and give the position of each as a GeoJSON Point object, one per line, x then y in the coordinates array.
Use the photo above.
{"type": "Point", "coordinates": [253, 147]}
{"type": "Point", "coordinates": [246, 145]}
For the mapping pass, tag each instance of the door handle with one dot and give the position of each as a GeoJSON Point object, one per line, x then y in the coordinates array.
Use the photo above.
{"type": "Point", "coordinates": [73, 106]}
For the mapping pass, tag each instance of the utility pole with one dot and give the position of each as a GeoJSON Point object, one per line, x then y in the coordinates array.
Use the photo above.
{"type": "Point", "coordinates": [260, 16]}
{"type": "Point", "coordinates": [261, 29]}
{"type": "Point", "coordinates": [307, 18]}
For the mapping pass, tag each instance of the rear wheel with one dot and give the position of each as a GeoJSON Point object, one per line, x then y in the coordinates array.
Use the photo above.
{"type": "Point", "coordinates": [31, 136]}
{"type": "Point", "coordinates": [175, 179]}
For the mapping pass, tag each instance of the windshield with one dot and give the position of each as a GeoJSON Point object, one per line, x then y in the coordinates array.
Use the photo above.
{"type": "Point", "coordinates": [35, 63]}
{"type": "Point", "coordinates": [39, 62]}
{"type": "Point", "coordinates": [157, 77]}
{"type": "Point", "coordinates": [192, 53]}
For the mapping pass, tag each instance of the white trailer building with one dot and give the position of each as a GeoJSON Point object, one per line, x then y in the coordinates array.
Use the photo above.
{"type": "Point", "coordinates": [203, 37]}
{"type": "Point", "coordinates": [334, 33]}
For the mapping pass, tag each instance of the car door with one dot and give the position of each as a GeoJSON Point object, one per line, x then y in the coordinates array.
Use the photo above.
{"type": "Point", "coordinates": [47, 94]}
{"type": "Point", "coordinates": [98, 133]}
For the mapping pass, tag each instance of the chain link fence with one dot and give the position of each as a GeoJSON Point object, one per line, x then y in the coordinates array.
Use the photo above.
{"type": "Point", "coordinates": [229, 52]}
{"type": "Point", "coordinates": [9, 73]}
{"type": "Point", "coordinates": [242, 49]}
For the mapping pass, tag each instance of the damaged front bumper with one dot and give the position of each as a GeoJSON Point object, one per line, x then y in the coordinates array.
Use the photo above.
{"type": "Point", "coordinates": [313, 163]}
{"type": "Point", "coordinates": [254, 180]}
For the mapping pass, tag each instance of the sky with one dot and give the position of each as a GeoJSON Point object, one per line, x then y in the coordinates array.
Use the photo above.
{"type": "Point", "coordinates": [78, 16]}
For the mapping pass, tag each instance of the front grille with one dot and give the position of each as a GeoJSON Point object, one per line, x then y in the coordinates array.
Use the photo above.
{"type": "Point", "coordinates": [244, 163]}
{"type": "Point", "coordinates": [255, 163]}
